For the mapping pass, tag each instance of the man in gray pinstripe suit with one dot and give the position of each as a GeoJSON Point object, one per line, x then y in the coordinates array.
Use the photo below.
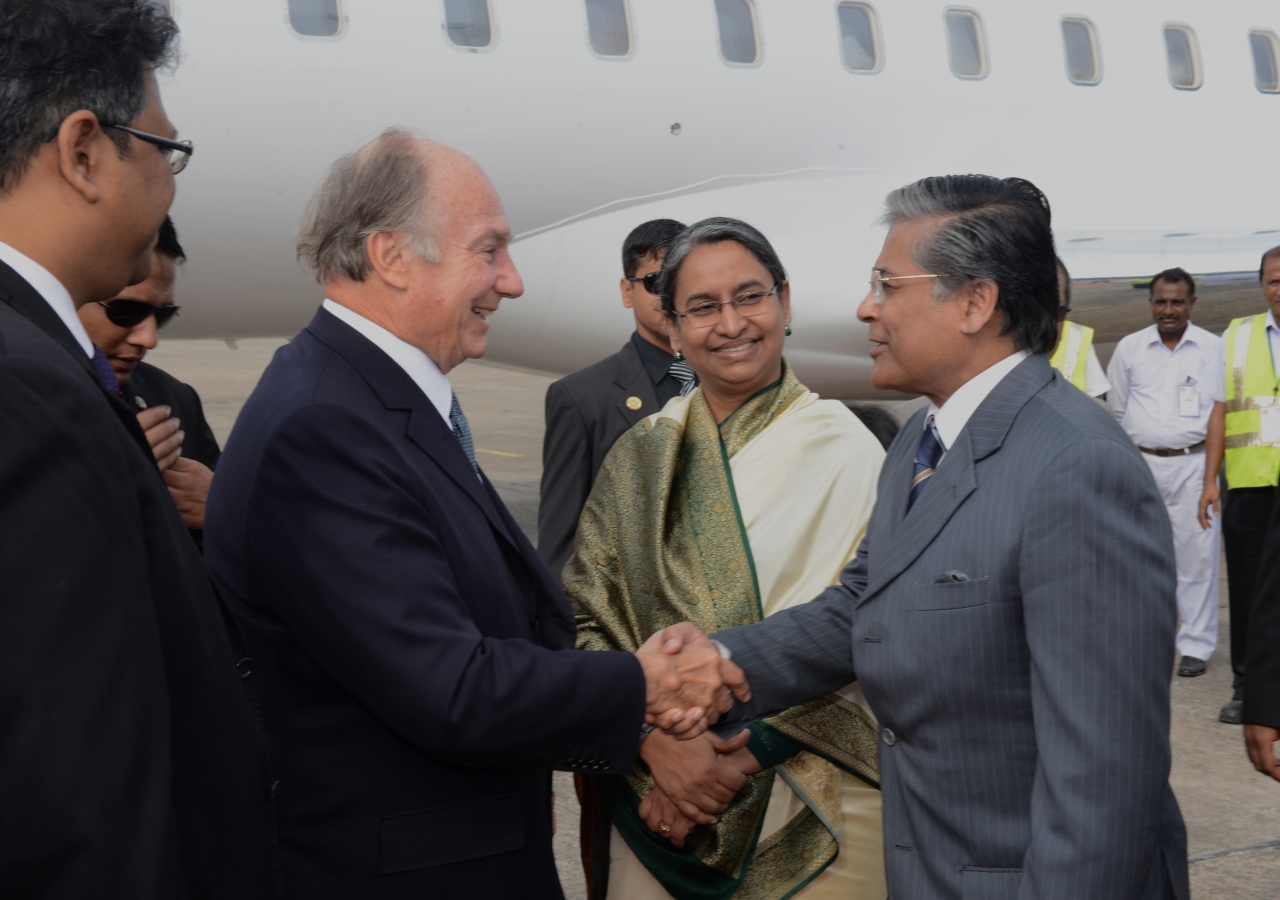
{"type": "Point", "coordinates": [1010, 615]}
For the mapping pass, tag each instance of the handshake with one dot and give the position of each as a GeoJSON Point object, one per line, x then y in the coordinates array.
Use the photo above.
{"type": "Point", "coordinates": [688, 683]}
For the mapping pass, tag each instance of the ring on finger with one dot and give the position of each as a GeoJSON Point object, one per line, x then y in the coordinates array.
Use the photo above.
{"type": "Point", "coordinates": [664, 827]}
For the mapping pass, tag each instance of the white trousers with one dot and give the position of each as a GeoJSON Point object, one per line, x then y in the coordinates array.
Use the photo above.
{"type": "Point", "coordinates": [1180, 480]}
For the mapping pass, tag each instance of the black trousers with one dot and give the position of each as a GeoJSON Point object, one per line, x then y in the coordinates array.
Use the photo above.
{"type": "Point", "coordinates": [1244, 528]}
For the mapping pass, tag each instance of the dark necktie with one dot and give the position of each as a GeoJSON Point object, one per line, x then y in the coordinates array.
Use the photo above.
{"type": "Point", "coordinates": [928, 455]}
{"type": "Point", "coordinates": [106, 373]}
{"type": "Point", "coordinates": [462, 432]}
{"type": "Point", "coordinates": [682, 372]}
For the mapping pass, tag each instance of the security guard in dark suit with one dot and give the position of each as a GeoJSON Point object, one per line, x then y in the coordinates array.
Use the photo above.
{"type": "Point", "coordinates": [590, 409]}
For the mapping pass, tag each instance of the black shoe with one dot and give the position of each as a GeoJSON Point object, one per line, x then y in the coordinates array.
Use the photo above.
{"type": "Point", "coordinates": [1190, 667]}
{"type": "Point", "coordinates": [1232, 713]}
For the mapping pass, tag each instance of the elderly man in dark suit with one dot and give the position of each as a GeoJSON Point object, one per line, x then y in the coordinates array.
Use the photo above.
{"type": "Point", "coordinates": [419, 680]}
{"type": "Point", "coordinates": [1010, 614]}
{"type": "Point", "coordinates": [131, 763]}
{"type": "Point", "coordinates": [589, 410]}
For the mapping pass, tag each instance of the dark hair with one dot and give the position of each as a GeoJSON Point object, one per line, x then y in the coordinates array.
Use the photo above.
{"type": "Point", "coordinates": [1173, 276]}
{"type": "Point", "coordinates": [713, 231]}
{"type": "Point", "coordinates": [168, 242]}
{"type": "Point", "coordinates": [878, 420]}
{"type": "Point", "coordinates": [61, 56]}
{"type": "Point", "coordinates": [1066, 280]}
{"type": "Point", "coordinates": [649, 239]}
{"type": "Point", "coordinates": [989, 229]}
{"type": "Point", "coordinates": [1266, 258]}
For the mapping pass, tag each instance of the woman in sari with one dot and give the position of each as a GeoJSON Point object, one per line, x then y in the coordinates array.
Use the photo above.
{"type": "Point", "coordinates": [741, 499]}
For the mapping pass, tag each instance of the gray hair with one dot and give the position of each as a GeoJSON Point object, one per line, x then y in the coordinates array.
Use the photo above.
{"type": "Point", "coordinates": [381, 187]}
{"type": "Point", "coordinates": [988, 229]}
{"type": "Point", "coordinates": [713, 231]}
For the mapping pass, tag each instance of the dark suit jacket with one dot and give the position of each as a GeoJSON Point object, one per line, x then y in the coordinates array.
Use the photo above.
{"type": "Point", "coordinates": [418, 674]}
{"type": "Point", "coordinates": [131, 762]}
{"type": "Point", "coordinates": [586, 414]}
{"type": "Point", "coordinates": [158, 388]}
{"type": "Point", "coordinates": [1024, 747]}
{"type": "Point", "coordinates": [1262, 667]}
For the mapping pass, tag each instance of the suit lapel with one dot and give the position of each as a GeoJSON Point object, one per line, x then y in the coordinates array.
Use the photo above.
{"type": "Point", "coordinates": [396, 390]}
{"type": "Point", "coordinates": [633, 378]}
{"type": "Point", "coordinates": [28, 302]}
{"type": "Point", "coordinates": [901, 535]}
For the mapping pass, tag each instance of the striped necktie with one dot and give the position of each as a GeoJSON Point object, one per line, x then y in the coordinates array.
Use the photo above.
{"type": "Point", "coordinates": [106, 373]}
{"type": "Point", "coordinates": [462, 431]}
{"type": "Point", "coordinates": [682, 372]}
{"type": "Point", "coordinates": [928, 455]}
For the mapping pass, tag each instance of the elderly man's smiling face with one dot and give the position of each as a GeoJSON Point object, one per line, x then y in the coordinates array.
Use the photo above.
{"type": "Point", "coordinates": [454, 297]}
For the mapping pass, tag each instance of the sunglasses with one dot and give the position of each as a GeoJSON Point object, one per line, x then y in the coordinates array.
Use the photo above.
{"type": "Point", "coordinates": [649, 281]}
{"type": "Point", "coordinates": [131, 313]}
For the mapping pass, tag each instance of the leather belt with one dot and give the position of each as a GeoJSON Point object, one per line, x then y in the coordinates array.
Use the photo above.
{"type": "Point", "coordinates": [1164, 451]}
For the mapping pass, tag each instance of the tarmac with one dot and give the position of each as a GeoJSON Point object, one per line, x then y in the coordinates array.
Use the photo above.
{"type": "Point", "coordinates": [1232, 813]}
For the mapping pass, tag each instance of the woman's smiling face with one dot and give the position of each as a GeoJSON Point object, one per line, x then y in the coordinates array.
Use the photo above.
{"type": "Point", "coordinates": [735, 355]}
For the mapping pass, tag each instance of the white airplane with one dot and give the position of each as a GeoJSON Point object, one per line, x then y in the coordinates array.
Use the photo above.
{"type": "Point", "coordinates": [1152, 125]}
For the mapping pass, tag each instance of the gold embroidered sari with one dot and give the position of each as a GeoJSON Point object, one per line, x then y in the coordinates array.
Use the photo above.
{"type": "Point", "coordinates": [722, 525]}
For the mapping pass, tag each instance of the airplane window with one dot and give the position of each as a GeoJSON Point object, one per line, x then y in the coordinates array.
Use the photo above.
{"type": "Point", "coordinates": [468, 22]}
{"type": "Point", "coordinates": [859, 37]}
{"type": "Point", "coordinates": [966, 43]}
{"type": "Point", "coordinates": [1080, 41]}
{"type": "Point", "coordinates": [609, 27]}
{"type": "Point", "coordinates": [315, 18]}
{"type": "Point", "coordinates": [738, 40]}
{"type": "Point", "coordinates": [1184, 61]}
{"type": "Point", "coordinates": [1266, 67]}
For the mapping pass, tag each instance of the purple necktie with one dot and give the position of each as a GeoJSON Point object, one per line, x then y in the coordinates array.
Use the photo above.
{"type": "Point", "coordinates": [106, 373]}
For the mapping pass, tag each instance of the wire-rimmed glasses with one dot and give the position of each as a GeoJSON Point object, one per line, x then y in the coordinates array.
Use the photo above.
{"type": "Point", "coordinates": [705, 313]}
{"type": "Point", "coordinates": [176, 153]}
{"type": "Point", "coordinates": [878, 278]}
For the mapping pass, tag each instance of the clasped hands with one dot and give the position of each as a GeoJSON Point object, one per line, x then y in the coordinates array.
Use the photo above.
{"type": "Point", "coordinates": [688, 684]}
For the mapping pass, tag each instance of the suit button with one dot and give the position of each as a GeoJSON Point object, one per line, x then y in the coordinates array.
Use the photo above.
{"type": "Point", "coordinates": [244, 667]}
{"type": "Point", "coordinates": [889, 737]}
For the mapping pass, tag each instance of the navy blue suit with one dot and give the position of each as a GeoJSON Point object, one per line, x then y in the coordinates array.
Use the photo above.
{"type": "Point", "coordinates": [413, 654]}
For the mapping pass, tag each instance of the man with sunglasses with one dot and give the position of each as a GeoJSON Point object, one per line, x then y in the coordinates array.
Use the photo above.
{"type": "Point", "coordinates": [589, 410]}
{"type": "Point", "coordinates": [132, 764]}
{"type": "Point", "coordinates": [170, 412]}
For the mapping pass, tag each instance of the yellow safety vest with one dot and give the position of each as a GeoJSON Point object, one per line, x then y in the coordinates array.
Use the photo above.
{"type": "Point", "coordinates": [1251, 387]}
{"type": "Point", "coordinates": [1071, 355]}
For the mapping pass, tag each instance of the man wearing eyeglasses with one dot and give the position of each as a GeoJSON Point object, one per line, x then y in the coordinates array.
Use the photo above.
{"type": "Point", "coordinates": [132, 764]}
{"type": "Point", "coordinates": [589, 410]}
{"type": "Point", "coordinates": [170, 412]}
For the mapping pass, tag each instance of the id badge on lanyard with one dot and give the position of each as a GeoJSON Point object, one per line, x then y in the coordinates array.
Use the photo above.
{"type": "Point", "coordinates": [1188, 401]}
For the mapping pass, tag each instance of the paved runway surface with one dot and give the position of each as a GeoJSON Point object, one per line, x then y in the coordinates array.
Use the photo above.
{"type": "Point", "coordinates": [1232, 813]}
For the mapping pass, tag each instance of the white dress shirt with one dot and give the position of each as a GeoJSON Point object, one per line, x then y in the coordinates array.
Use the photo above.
{"type": "Point", "coordinates": [51, 289]}
{"type": "Point", "coordinates": [1095, 380]}
{"type": "Point", "coordinates": [416, 364]}
{"type": "Point", "coordinates": [1273, 341]}
{"type": "Point", "coordinates": [1148, 379]}
{"type": "Point", "coordinates": [950, 418]}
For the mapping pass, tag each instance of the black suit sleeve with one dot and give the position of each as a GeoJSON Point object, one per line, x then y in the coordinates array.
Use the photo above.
{"type": "Point", "coordinates": [85, 772]}
{"type": "Point", "coordinates": [352, 552]}
{"type": "Point", "coordinates": [204, 447]}
{"type": "Point", "coordinates": [567, 477]}
{"type": "Point", "coordinates": [1262, 665]}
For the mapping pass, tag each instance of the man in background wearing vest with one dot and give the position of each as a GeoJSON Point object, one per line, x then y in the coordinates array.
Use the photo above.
{"type": "Point", "coordinates": [1074, 356]}
{"type": "Point", "coordinates": [1166, 381]}
{"type": "Point", "coordinates": [1246, 430]}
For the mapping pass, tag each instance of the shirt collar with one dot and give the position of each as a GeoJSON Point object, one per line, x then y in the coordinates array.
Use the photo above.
{"type": "Point", "coordinates": [950, 418]}
{"type": "Point", "coordinates": [656, 360]}
{"type": "Point", "coordinates": [416, 364]}
{"type": "Point", "coordinates": [1188, 336]}
{"type": "Point", "coordinates": [51, 289]}
{"type": "Point", "coordinates": [1271, 318]}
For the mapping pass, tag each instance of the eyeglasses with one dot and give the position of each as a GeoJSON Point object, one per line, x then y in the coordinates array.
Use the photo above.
{"type": "Point", "coordinates": [177, 153]}
{"type": "Point", "coordinates": [131, 313]}
{"type": "Point", "coordinates": [650, 281]}
{"type": "Point", "coordinates": [706, 313]}
{"type": "Point", "coordinates": [1063, 312]}
{"type": "Point", "coordinates": [878, 278]}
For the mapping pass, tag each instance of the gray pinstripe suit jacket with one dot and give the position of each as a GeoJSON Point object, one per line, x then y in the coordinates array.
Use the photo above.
{"type": "Point", "coordinates": [1025, 712]}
